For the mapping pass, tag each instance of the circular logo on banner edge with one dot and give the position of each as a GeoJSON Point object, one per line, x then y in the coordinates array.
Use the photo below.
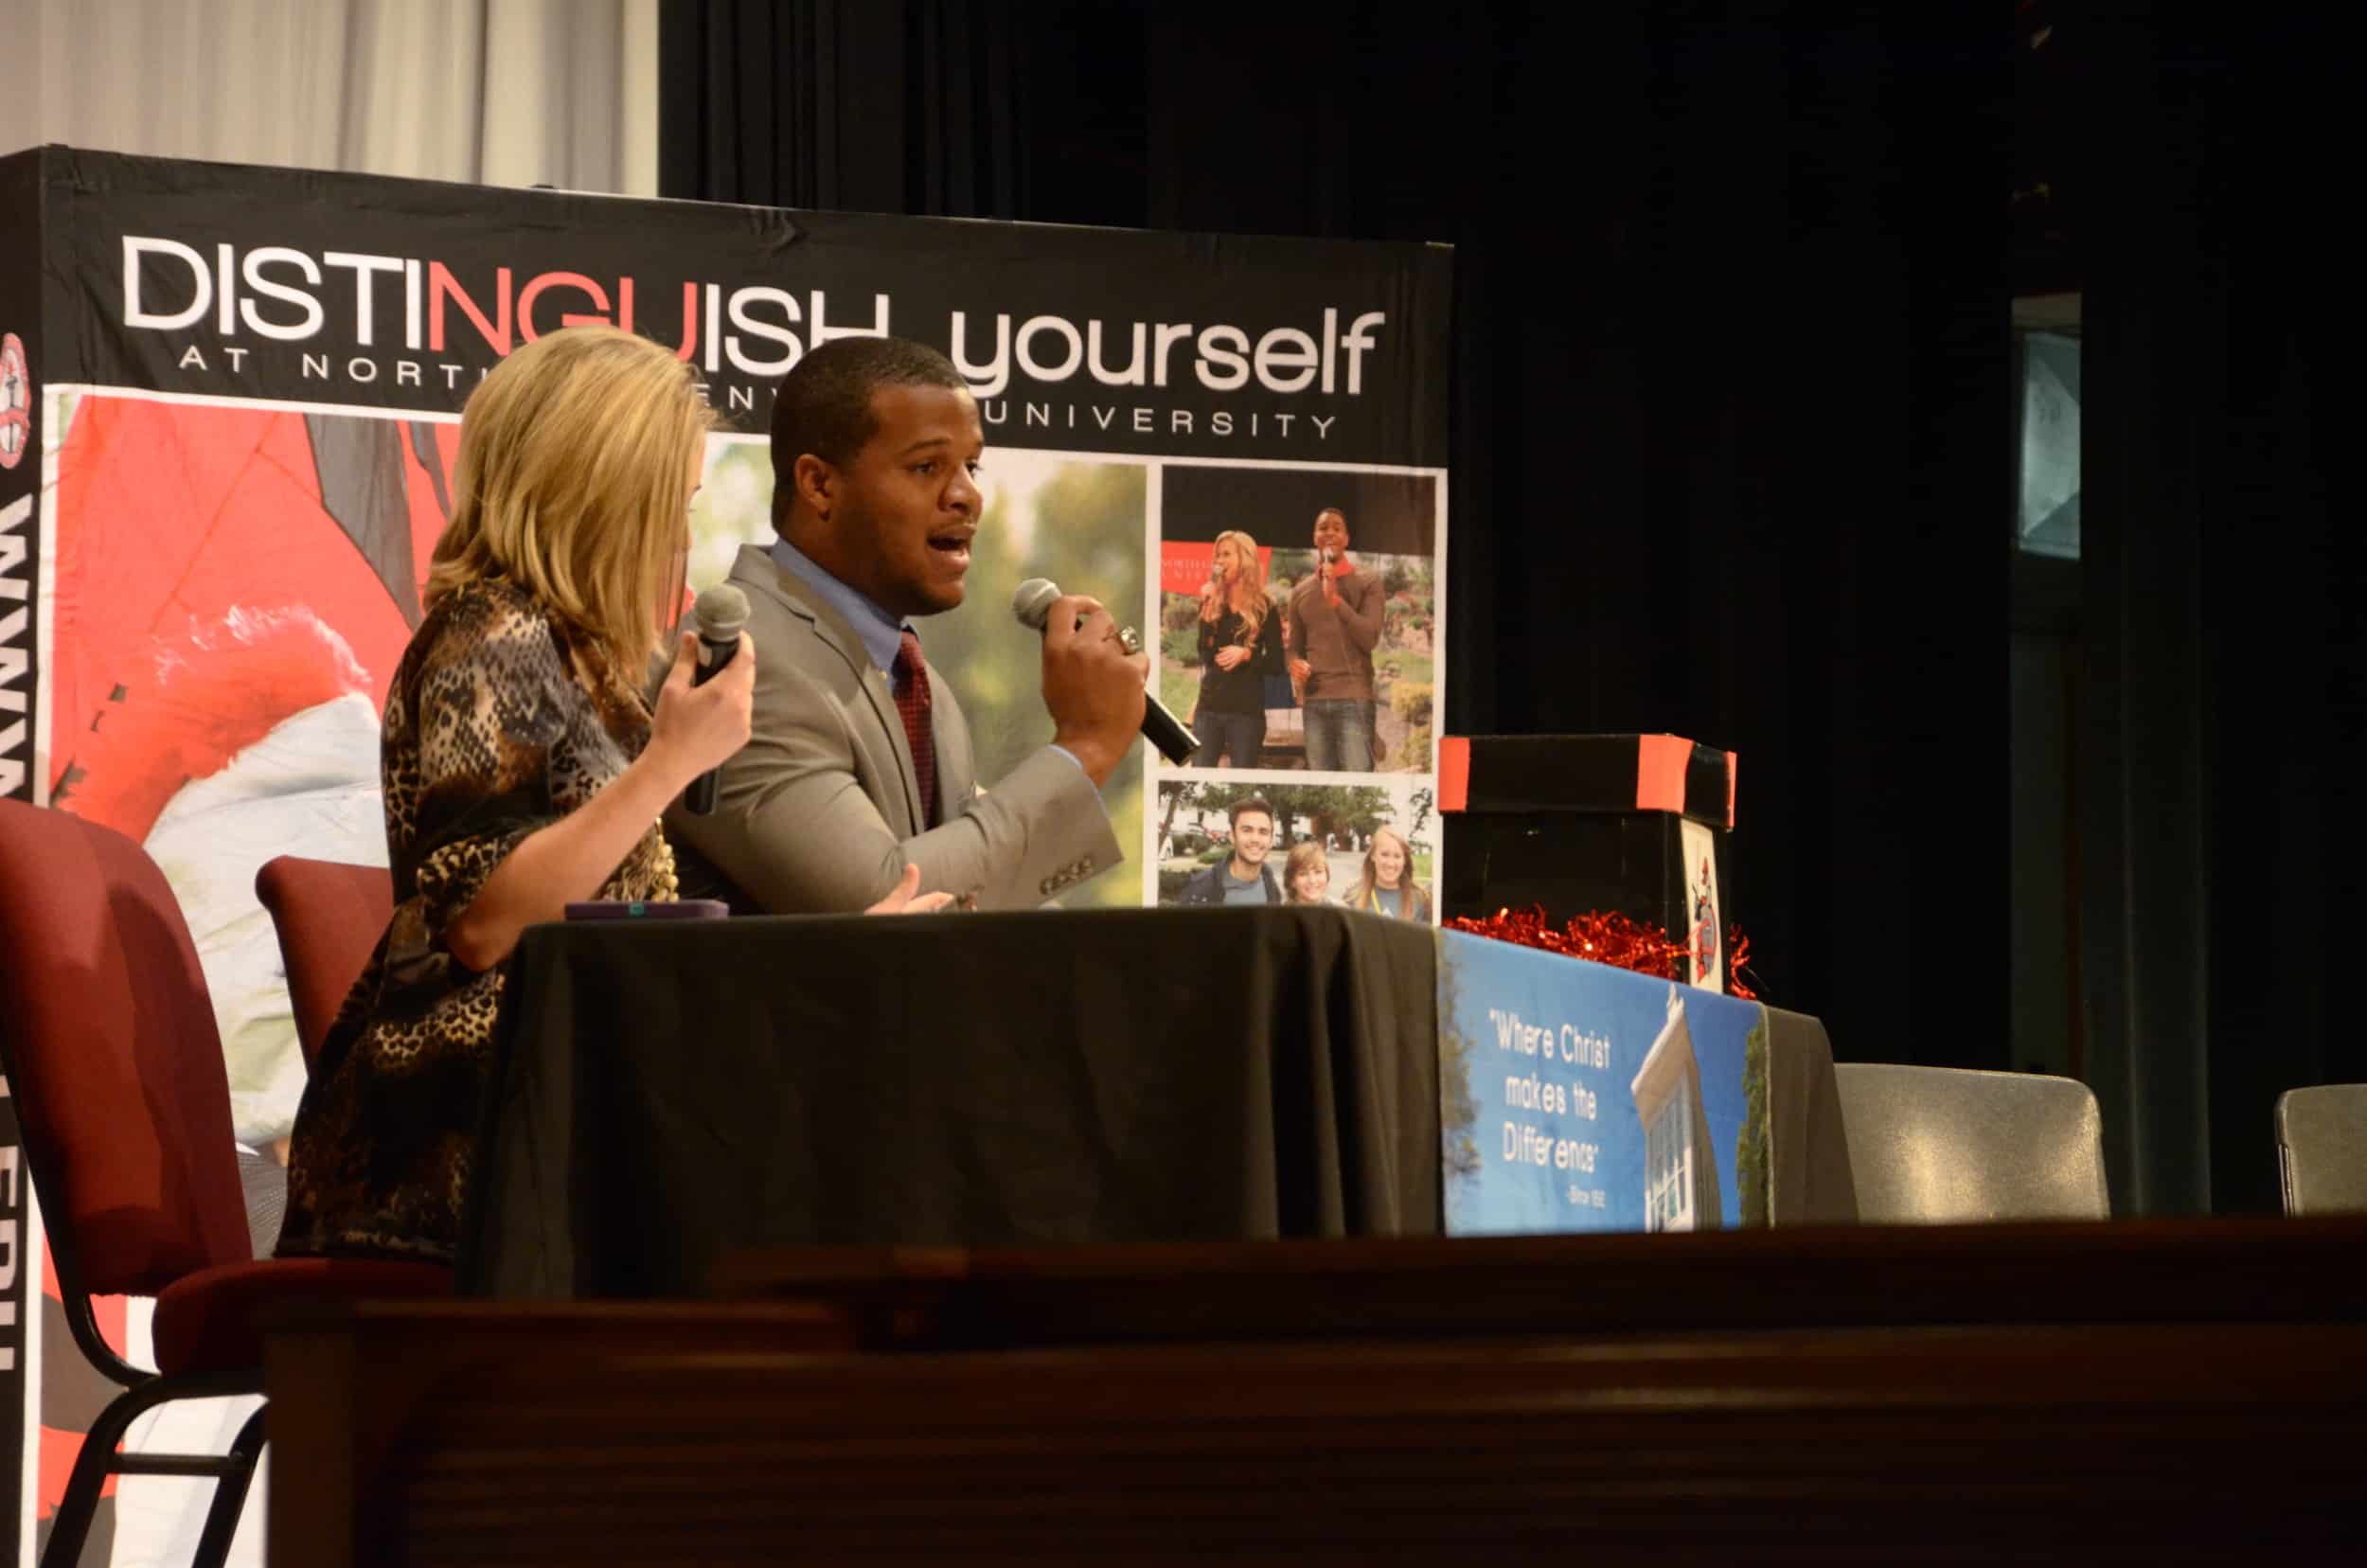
{"type": "Point", "coordinates": [16, 401]}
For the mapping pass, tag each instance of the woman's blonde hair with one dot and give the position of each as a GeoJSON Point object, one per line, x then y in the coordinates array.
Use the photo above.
{"type": "Point", "coordinates": [574, 484]}
{"type": "Point", "coordinates": [1411, 903]}
{"type": "Point", "coordinates": [1248, 591]}
{"type": "Point", "coordinates": [1304, 853]}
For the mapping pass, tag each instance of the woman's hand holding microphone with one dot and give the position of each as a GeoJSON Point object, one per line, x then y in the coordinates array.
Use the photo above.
{"type": "Point", "coordinates": [703, 726]}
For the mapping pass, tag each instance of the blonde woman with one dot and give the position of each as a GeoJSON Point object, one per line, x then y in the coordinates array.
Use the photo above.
{"type": "Point", "coordinates": [1387, 886]}
{"type": "Point", "coordinates": [523, 766]}
{"type": "Point", "coordinates": [1307, 874]}
{"type": "Point", "coordinates": [1240, 644]}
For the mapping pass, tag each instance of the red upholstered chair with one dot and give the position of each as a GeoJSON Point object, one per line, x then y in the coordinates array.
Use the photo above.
{"type": "Point", "coordinates": [115, 1064]}
{"type": "Point", "coordinates": [329, 916]}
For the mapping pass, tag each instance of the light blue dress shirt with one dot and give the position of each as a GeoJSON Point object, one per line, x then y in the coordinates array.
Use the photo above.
{"type": "Point", "coordinates": [882, 634]}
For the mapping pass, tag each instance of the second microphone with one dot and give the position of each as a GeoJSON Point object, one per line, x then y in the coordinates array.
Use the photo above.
{"type": "Point", "coordinates": [719, 615]}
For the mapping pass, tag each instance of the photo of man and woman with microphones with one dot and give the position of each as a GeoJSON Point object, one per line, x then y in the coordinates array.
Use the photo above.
{"type": "Point", "coordinates": [1299, 617]}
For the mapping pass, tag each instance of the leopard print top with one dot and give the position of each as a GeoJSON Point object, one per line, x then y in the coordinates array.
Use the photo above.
{"type": "Point", "coordinates": [501, 718]}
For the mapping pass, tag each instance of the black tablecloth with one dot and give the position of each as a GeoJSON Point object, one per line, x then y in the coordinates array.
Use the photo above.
{"type": "Point", "coordinates": [668, 1092]}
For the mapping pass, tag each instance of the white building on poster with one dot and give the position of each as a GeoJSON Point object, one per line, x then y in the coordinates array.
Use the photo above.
{"type": "Point", "coordinates": [1679, 1160]}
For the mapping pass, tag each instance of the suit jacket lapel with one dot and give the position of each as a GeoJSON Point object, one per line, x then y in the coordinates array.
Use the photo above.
{"type": "Point", "coordinates": [757, 570]}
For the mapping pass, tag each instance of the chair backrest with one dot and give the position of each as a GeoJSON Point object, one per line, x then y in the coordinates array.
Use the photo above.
{"type": "Point", "coordinates": [2322, 1149]}
{"type": "Point", "coordinates": [329, 916]}
{"type": "Point", "coordinates": [113, 1059]}
{"type": "Point", "coordinates": [1945, 1145]}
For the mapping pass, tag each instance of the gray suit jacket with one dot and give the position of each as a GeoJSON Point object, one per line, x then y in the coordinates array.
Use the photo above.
{"type": "Point", "coordinates": [821, 810]}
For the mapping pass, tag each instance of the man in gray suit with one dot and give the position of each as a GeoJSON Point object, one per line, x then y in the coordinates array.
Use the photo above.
{"type": "Point", "coordinates": [859, 762]}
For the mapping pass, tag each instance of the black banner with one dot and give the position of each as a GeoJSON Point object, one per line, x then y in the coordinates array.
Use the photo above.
{"type": "Point", "coordinates": [300, 286]}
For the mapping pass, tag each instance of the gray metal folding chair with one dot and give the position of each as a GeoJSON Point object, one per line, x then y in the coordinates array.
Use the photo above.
{"type": "Point", "coordinates": [1935, 1146]}
{"type": "Point", "coordinates": [2322, 1149]}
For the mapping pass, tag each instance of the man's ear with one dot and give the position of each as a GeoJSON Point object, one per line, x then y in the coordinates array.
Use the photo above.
{"type": "Point", "coordinates": [817, 483]}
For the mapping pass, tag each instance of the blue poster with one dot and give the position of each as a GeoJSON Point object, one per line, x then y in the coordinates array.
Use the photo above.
{"type": "Point", "coordinates": [1575, 1097]}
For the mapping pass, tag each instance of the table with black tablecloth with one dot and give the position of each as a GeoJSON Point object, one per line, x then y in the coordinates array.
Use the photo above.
{"type": "Point", "coordinates": [668, 1092]}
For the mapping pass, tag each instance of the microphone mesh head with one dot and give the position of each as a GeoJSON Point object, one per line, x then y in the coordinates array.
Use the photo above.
{"type": "Point", "coordinates": [721, 612]}
{"type": "Point", "coordinates": [1032, 601]}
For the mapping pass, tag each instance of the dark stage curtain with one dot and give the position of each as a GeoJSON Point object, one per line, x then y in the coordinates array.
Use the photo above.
{"type": "Point", "coordinates": [1734, 411]}
{"type": "Point", "coordinates": [950, 108]}
{"type": "Point", "coordinates": [2226, 733]}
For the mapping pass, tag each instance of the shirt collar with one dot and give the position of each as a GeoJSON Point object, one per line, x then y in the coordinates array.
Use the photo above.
{"type": "Point", "coordinates": [882, 634]}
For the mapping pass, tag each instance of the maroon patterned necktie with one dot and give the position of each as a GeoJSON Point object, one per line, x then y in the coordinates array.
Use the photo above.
{"type": "Point", "coordinates": [912, 700]}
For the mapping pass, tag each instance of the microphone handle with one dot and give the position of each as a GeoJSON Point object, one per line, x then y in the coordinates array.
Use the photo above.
{"type": "Point", "coordinates": [1175, 741]}
{"type": "Point", "coordinates": [699, 800]}
{"type": "Point", "coordinates": [712, 657]}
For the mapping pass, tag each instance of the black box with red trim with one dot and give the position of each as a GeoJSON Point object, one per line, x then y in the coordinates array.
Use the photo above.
{"type": "Point", "coordinates": [1590, 824]}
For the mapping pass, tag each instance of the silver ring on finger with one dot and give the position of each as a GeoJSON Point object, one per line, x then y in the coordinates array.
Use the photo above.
{"type": "Point", "coordinates": [1129, 639]}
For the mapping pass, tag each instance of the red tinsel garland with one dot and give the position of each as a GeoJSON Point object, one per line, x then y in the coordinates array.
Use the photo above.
{"type": "Point", "coordinates": [1608, 937]}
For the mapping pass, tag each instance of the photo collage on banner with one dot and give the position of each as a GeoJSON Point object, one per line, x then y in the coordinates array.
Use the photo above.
{"type": "Point", "coordinates": [229, 431]}
{"type": "Point", "coordinates": [1300, 614]}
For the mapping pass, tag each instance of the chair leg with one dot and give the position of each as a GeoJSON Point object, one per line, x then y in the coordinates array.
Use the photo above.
{"type": "Point", "coordinates": [91, 1466]}
{"type": "Point", "coordinates": [221, 1518]}
{"type": "Point", "coordinates": [70, 1528]}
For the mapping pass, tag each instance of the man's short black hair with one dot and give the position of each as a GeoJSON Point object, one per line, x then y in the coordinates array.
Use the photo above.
{"type": "Point", "coordinates": [1252, 803]}
{"type": "Point", "coordinates": [824, 405]}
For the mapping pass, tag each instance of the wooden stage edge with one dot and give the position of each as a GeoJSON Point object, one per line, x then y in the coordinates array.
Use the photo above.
{"type": "Point", "coordinates": [2173, 1391]}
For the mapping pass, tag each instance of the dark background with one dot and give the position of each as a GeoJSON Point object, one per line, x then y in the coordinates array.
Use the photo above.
{"type": "Point", "coordinates": [1734, 435]}
{"type": "Point", "coordinates": [1387, 513]}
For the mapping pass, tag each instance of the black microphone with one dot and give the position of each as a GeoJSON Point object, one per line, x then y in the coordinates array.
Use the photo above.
{"type": "Point", "coordinates": [719, 614]}
{"type": "Point", "coordinates": [1033, 600]}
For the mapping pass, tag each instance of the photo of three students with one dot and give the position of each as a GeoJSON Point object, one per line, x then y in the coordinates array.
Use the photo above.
{"type": "Point", "coordinates": [1354, 847]}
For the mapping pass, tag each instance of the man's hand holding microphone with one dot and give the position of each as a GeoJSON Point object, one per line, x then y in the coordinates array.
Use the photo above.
{"type": "Point", "coordinates": [1093, 687]}
{"type": "Point", "coordinates": [1094, 681]}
